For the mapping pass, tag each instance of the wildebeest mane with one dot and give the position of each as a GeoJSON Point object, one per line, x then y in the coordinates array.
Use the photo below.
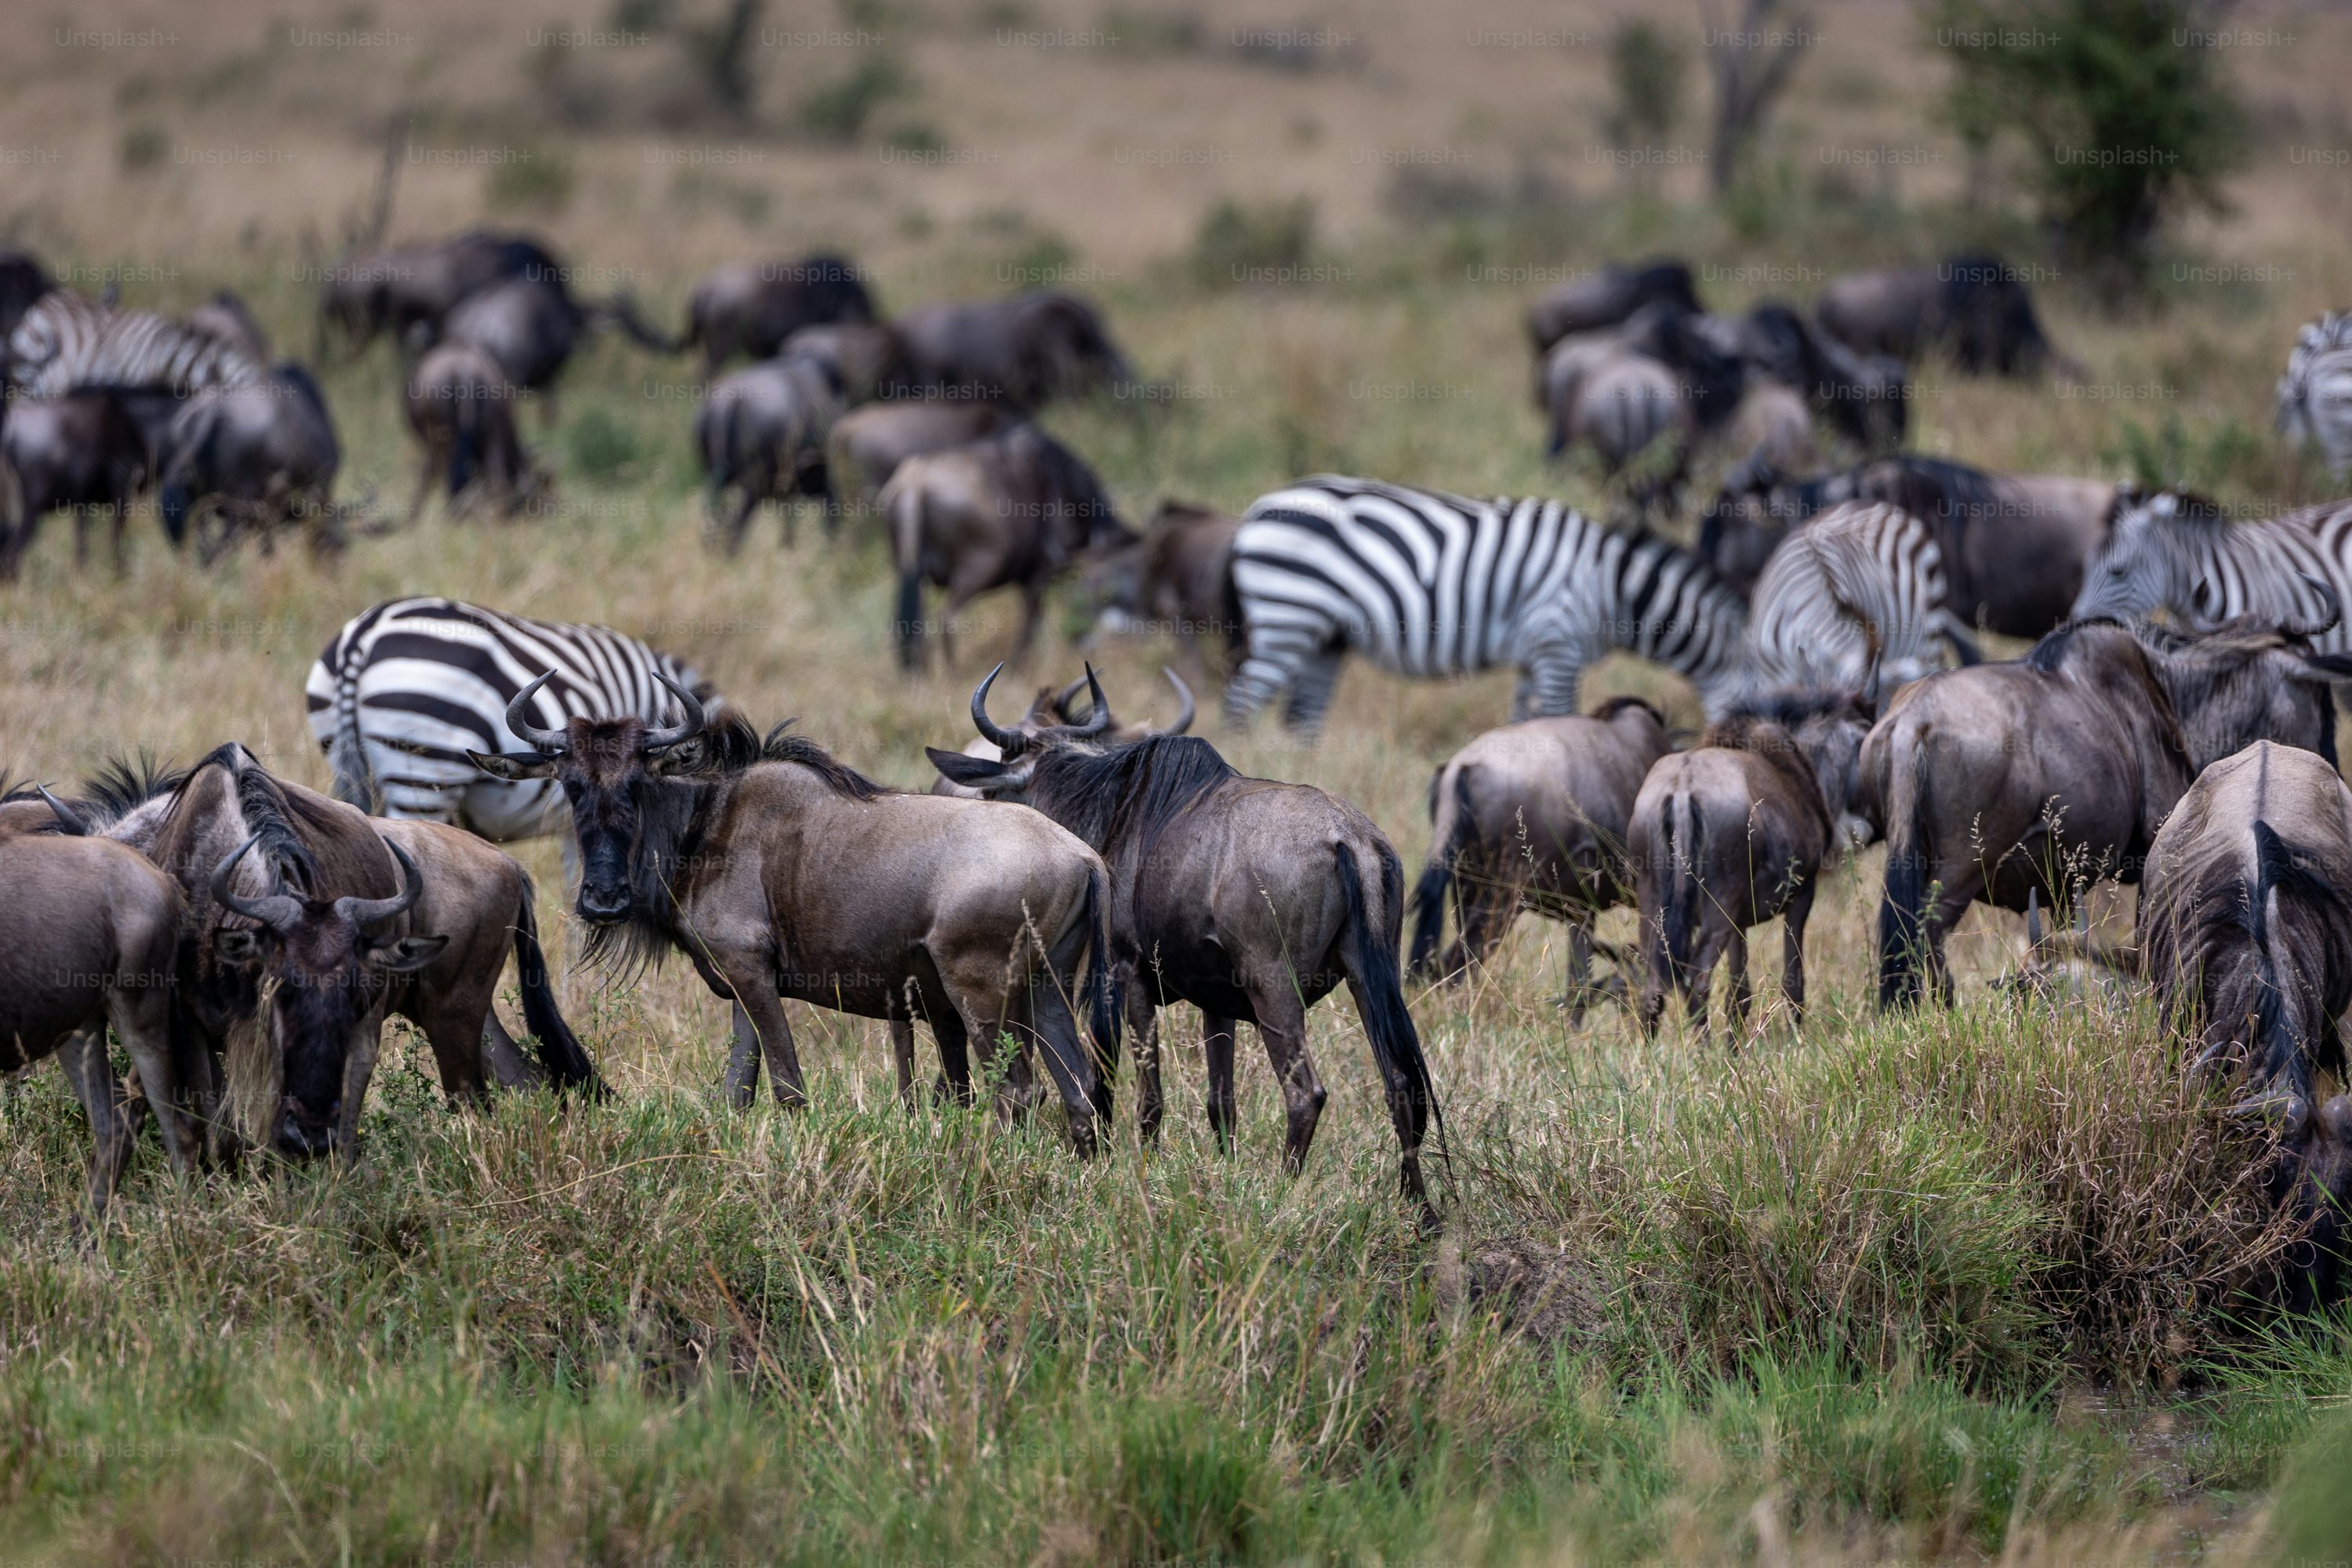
{"type": "Point", "coordinates": [1616, 705]}
{"type": "Point", "coordinates": [278, 818]}
{"type": "Point", "coordinates": [1127, 790]}
{"type": "Point", "coordinates": [2049, 655]}
{"type": "Point", "coordinates": [782, 746]}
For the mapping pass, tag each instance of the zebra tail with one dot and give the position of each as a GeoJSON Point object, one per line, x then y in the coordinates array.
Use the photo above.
{"type": "Point", "coordinates": [1901, 906]}
{"type": "Point", "coordinates": [560, 1051]}
{"type": "Point", "coordinates": [347, 751]}
{"type": "Point", "coordinates": [1451, 825]}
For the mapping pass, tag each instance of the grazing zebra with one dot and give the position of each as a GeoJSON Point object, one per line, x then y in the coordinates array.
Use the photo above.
{"type": "Point", "coordinates": [2177, 551]}
{"type": "Point", "coordinates": [409, 687]}
{"type": "Point", "coordinates": [1428, 584]}
{"type": "Point", "coordinates": [2314, 395]}
{"type": "Point", "coordinates": [66, 340]}
{"type": "Point", "coordinates": [1859, 572]}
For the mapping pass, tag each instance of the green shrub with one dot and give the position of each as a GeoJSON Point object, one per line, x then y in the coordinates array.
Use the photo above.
{"type": "Point", "coordinates": [142, 147]}
{"type": "Point", "coordinates": [1236, 238]}
{"type": "Point", "coordinates": [1646, 68]}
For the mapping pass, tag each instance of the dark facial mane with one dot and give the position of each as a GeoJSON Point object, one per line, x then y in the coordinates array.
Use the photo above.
{"type": "Point", "coordinates": [270, 812]}
{"type": "Point", "coordinates": [1107, 795]}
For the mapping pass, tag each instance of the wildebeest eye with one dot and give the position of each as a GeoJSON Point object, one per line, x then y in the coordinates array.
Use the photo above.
{"type": "Point", "coordinates": [237, 944]}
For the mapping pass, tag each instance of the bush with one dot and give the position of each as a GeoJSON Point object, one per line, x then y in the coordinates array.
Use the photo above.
{"type": "Point", "coordinates": [1645, 71]}
{"type": "Point", "coordinates": [1237, 239]}
{"type": "Point", "coordinates": [2129, 118]}
{"type": "Point", "coordinates": [142, 147]}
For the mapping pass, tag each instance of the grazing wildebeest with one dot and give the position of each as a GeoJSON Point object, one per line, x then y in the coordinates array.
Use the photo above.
{"type": "Point", "coordinates": [2014, 546]}
{"type": "Point", "coordinates": [1773, 426]}
{"type": "Point", "coordinates": [82, 451]}
{"type": "Point", "coordinates": [2245, 928]}
{"type": "Point", "coordinates": [2315, 397]}
{"type": "Point", "coordinates": [225, 316]}
{"type": "Point", "coordinates": [1533, 816]}
{"type": "Point", "coordinates": [1617, 401]}
{"type": "Point", "coordinates": [867, 445]}
{"type": "Point", "coordinates": [862, 359]}
{"type": "Point", "coordinates": [1732, 832]}
{"type": "Point", "coordinates": [1866, 397]}
{"type": "Point", "coordinates": [782, 873]}
{"type": "Point", "coordinates": [460, 409]}
{"type": "Point", "coordinates": [753, 307]}
{"type": "Point", "coordinates": [1250, 899]}
{"type": "Point", "coordinates": [92, 930]}
{"type": "Point", "coordinates": [1974, 305]}
{"type": "Point", "coordinates": [1603, 299]}
{"type": "Point", "coordinates": [1014, 511]}
{"type": "Point", "coordinates": [413, 287]}
{"type": "Point", "coordinates": [298, 1057]}
{"type": "Point", "coordinates": [1176, 579]}
{"type": "Point", "coordinates": [252, 456]}
{"type": "Point", "coordinates": [761, 431]}
{"type": "Point", "coordinates": [1022, 351]}
{"type": "Point", "coordinates": [1050, 707]}
{"type": "Point", "coordinates": [2003, 781]}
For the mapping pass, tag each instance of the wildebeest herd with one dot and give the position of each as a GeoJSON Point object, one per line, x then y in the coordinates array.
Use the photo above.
{"type": "Point", "coordinates": [244, 937]}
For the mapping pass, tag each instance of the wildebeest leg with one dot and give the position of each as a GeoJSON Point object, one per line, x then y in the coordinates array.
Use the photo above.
{"type": "Point", "coordinates": [83, 1057]}
{"type": "Point", "coordinates": [955, 1059]}
{"type": "Point", "coordinates": [1697, 981]}
{"type": "Point", "coordinates": [1282, 1026]}
{"type": "Point", "coordinates": [1580, 967]}
{"type": "Point", "coordinates": [81, 537]}
{"type": "Point", "coordinates": [1143, 1023]}
{"type": "Point", "coordinates": [115, 522]}
{"type": "Point", "coordinates": [1032, 609]}
{"type": "Point", "coordinates": [743, 1061]}
{"type": "Point", "coordinates": [1217, 1040]}
{"type": "Point", "coordinates": [142, 1015]}
{"type": "Point", "coordinates": [1793, 948]}
{"type": "Point", "coordinates": [503, 1062]}
{"type": "Point", "coordinates": [1310, 693]}
{"type": "Point", "coordinates": [902, 1053]}
{"type": "Point", "coordinates": [1066, 1058]}
{"type": "Point", "coordinates": [1735, 949]}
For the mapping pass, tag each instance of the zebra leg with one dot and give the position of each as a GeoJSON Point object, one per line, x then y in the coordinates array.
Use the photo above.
{"type": "Point", "coordinates": [1270, 662]}
{"type": "Point", "coordinates": [1310, 694]}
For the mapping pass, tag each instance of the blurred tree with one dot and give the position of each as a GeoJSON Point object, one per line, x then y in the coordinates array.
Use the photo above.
{"type": "Point", "coordinates": [2125, 104]}
{"type": "Point", "coordinates": [1752, 64]}
{"type": "Point", "coordinates": [1645, 71]}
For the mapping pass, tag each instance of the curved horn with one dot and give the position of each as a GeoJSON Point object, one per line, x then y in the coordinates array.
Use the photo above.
{"type": "Point", "coordinates": [2318, 629]}
{"type": "Point", "coordinates": [275, 910]}
{"type": "Point", "coordinates": [1099, 719]}
{"type": "Point", "coordinates": [1067, 695]}
{"type": "Point", "coordinates": [365, 913]}
{"type": "Point", "coordinates": [657, 740]}
{"type": "Point", "coordinates": [1185, 714]}
{"type": "Point", "coordinates": [1008, 742]}
{"type": "Point", "coordinates": [68, 820]}
{"type": "Point", "coordinates": [549, 742]}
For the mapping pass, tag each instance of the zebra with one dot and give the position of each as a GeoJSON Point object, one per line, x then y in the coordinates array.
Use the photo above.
{"type": "Point", "coordinates": [2314, 395]}
{"type": "Point", "coordinates": [1855, 599]}
{"type": "Point", "coordinates": [1428, 584]}
{"type": "Point", "coordinates": [409, 686]}
{"type": "Point", "coordinates": [67, 340]}
{"type": "Point", "coordinates": [2174, 550]}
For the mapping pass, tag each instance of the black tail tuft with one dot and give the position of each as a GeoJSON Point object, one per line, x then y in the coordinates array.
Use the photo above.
{"type": "Point", "coordinates": [1902, 925]}
{"type": "Point", "coordinates": [1437, 876]}
{"type": "Point", "coordinates": [1686, 878]}
{"type": "Point", "coordinates": [1387, 1025]}
{"type": "Point", "coordinates": [1102, 988]}
{"type": "Point", "coordinates": [560, 1051]}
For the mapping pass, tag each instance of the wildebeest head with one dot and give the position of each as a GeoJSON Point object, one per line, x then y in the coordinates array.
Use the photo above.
{"type": "Point", "coordinates": [324, 965]}
{"type": "Point", "coordinates": [2247, 680]}
{"type": "Point", "coordinates": [609, 769]}
{"type": "Point", "coordinates": [1827, 729]}
{"type": "Point", "coordinates": [1019, 749]}
{"type": "Point", "coordinates": [2148, 561]}
{"type": "Point", "coordinates": [2314, 1175]}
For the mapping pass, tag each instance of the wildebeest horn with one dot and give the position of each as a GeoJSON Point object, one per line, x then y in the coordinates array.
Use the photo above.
{"type": "Point", "coordinates": [1185, 714]}
{"type": "Point", "coordinates": [275, 910]}
{"type": "Point", "coordinates": [657, 740]}
{"type": "Point", "coordinates": [1008, 742]}
{"type": "Point", "coordinates": [1099, 719]}
{"type": "Point", "coordinates": [2328, 597]}
{"type": "Point", "coordinates": [69, 821]}
{"type": "Point", "coordinates": [550, 741]}
{"type": "Point", "coordinates": [365, 913]}
{"type": "Point", "coordinates": [1067, 695]}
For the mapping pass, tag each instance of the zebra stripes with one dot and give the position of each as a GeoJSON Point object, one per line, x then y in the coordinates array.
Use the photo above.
{"type": "Point", "coordinates": [1428, 584]}
{"type": "Point", "coordinates": [2314, 395]}
{"type": "Point", "coordinates": [1857, 568]}
{"type": "Point", "coordinates": [407, 688]}
{"type": "Point", "coordinates": [2175, 551]}
{"type": "Point", "coordinates": [66, 339]}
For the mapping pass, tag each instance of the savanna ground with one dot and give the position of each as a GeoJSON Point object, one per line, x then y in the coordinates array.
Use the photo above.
{"type": "Point", "coordinates": [1966, 1284]}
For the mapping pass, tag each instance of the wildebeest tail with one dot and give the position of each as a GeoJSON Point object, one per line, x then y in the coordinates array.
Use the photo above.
{"type": "Point", "coordinates": [1449, 826]}
{"type": "Point", "coordinates": [1102, 990]}
{"type": "Point", "coordinates": [465, 446]}
{"type": "Point", "coordinates": [902, 505]}
{"type": "Point", "coordinates": [1686, 883]}
{"type": "Point", "coordinates": [1902, 905]}
{"type": "Point", "coordinates": [560, 1051]}
{"type": "Point", "coordinates": [2283, 880]}
{"type": "Point", "coordinates": [1396, 1044]}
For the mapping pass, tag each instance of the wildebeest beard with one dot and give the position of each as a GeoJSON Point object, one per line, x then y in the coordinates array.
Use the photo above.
{"type": "Point", "coordinates": [1125, 797]}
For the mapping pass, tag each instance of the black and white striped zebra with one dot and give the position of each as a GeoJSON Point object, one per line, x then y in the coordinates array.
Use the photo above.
{"type": "Point", "coordinates": [2175, 550]}
{"type": "Point", "coordinates": [409, 687]}
{"type": "Point", "coordinates": [67, 340]}
{"type": "Point", "coordinates": [2314, 395]}
{"type": "Point", "coordinates": [1428, 584]}
{"type": "Point", "coordinates": [1859, 573]}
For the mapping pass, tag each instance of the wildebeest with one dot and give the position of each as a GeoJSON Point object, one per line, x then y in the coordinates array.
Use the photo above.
{"type": "Point", "coordinates": [1533, 816]}
{"type": "Point", "coordinates": [1176, 579]}
{"type": "Point", "coordinates": [761, 431]}
{"type": "Point", "coordinates": [868, 444]}
{"type": "Point", "coordinates": [1603, 299]}
{"type": "Point", "coordinates": [92, 931]}
{"type": "Point", "coordinates": [1866, 397]}
{"type": "Point", "coordinates": [2314, 395]}
{"type": "Point", "coordinates": [460, 409]}
{"type": "Point", "coordinates": [2003, 781]}
{"type": "Point", "coordinates": [1250, 899]}
{"type": "Point", "coordinates": [1618, 402]}
{"type": "Point", "coordinates": [414, 287]}
{"type": "Point", "coordinates": [782, 873]}
{"type": "Point", "coordinates": [864, 359]}
{"type": "Point", "coordinates": [2014, 546]}
{"type": "Point", "coordinates": [1022, 351]}
{"type": "Point", "coordinates": [753, 307]}
{"type": "Point", "coordinates": [1974, 305]}
{"type": "Point", "coordinates": [1772, 425]}
{"type": "Point", "coordinates": [1732, 832]}
{"type": "Point", "coordinates": [299, 1052]}
{"type": "Point", "coordinates": [82, 451]}
{"type": "Point", "coordinates": [253, 457]}
{"type": "Point", "coordinates": [1050, 707]}
{"type": "Point", "coordinates": [1014, 511]}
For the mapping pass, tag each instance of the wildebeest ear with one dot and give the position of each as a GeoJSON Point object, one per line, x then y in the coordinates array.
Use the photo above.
{"type": "Point", "coordinates": [237, 944]}
{"type": "Point", "coordinates": [971, 772]}
{"type": "Point", "coordinates": [513, 767]}
{"type": "Point", "coordinates": [689, 756]}
{"type": "Point", "coordinates": [408, 955]}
